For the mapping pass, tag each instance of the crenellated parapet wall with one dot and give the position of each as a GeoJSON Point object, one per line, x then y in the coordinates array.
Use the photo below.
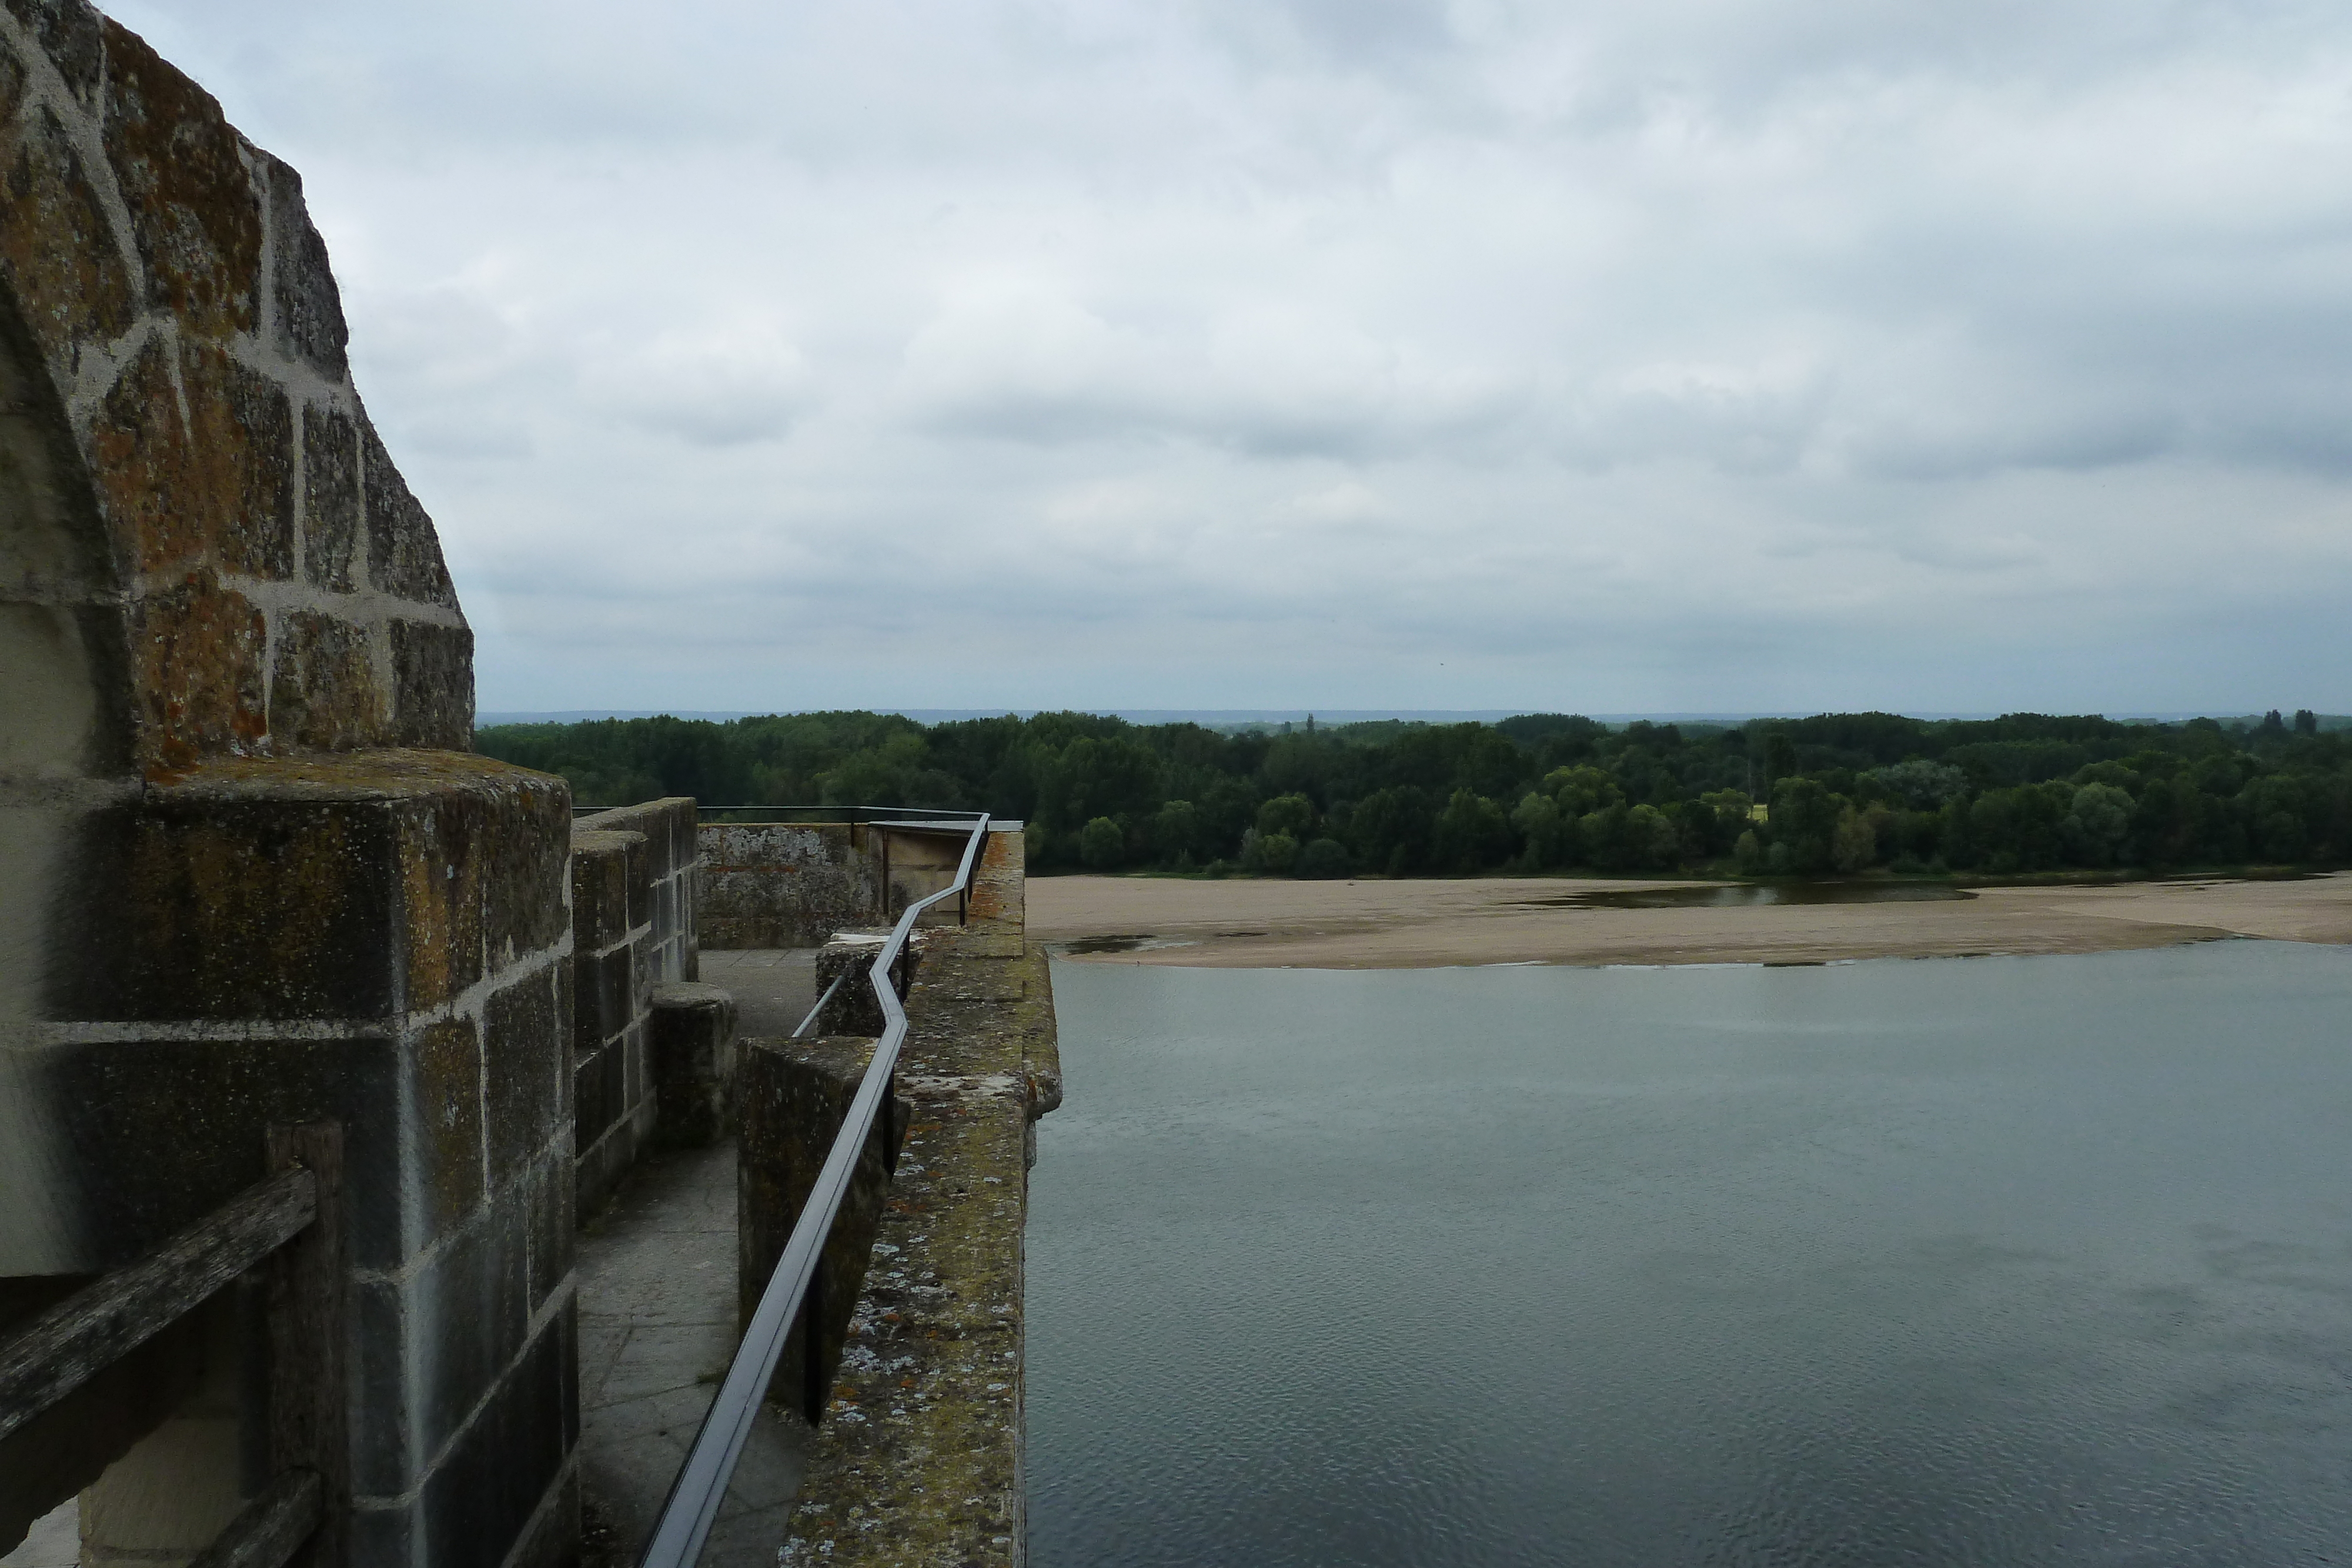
{"type": "Point", "coordinates": [918, 1455]}
{"type": "Point", "coordinates": [634, 871]}
{"type": "Point", "coordinates": [794, 884]}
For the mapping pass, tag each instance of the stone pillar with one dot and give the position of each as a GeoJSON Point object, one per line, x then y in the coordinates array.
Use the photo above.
{"type": "Point", "coordinates": [794, 1096]}
{"type": "Point", "coordinates": [690, 1039]}
{"type": "Point", "coordinates": [849, 957]}
{"type": "Point", "coordinates": [377, 939]}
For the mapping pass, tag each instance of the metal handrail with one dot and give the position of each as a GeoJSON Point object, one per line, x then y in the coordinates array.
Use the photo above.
{"type": "Point", "coordinates": [701, 1484]}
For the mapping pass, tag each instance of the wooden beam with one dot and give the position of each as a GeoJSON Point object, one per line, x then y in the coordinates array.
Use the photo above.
{"type": "Point", "coordinates": [306, 1282]}
{"type": "Point", "coordinates": [98, 1325]}
{"type": "Point", "coordinates": [268, 1531]}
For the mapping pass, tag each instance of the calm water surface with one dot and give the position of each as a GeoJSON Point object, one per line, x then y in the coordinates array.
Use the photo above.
{"type": "Point", "coordinates": [2005, 1261]}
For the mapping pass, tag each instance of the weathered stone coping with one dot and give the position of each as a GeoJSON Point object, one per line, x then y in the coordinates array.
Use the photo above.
{"type": "Point", "coordinates": [919, 1457]}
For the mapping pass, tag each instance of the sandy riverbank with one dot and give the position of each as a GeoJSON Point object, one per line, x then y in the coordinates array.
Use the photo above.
{"type": "Point", "coordinates": [1507, 920]}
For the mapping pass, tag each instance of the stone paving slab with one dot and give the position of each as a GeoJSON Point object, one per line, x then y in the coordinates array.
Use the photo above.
{"type": "Point", "coordinates": [658, 1328]}
{"type": "Point", "coordinates": [773, 986]}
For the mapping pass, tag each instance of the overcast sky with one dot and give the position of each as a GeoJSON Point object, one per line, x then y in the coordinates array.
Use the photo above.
{"type": "Point", "coordinates": [1722, 355]}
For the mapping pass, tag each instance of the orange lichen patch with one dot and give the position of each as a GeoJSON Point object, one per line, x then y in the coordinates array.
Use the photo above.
{"type": "Point", "coordinates": [440, 861]}
{"type": "Point", "coordinates": [195, 215]}
{"type": "Point", "coordinates": [448, 1065]}
{"type": "Point", "coordinates": [55, 243]}
{"type": "Point", "coordinates": [217, 485]}
{"type": "Point", "coordinates": [197, 652]}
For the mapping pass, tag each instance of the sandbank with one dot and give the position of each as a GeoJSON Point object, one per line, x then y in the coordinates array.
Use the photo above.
{"type": "Point", "coordinates": [1245, 923]}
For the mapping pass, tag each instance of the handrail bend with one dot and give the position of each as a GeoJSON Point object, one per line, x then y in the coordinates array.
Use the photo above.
{"type": "Point", "coordinates": [701, 1483]}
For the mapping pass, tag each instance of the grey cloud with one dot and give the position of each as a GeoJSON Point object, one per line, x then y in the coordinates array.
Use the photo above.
{"type": "Point", "coordinates": [1694, 354]}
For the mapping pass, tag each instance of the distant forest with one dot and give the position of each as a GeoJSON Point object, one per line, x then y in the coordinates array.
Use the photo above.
{"type": "Point", "coordinates": [1834, 794]}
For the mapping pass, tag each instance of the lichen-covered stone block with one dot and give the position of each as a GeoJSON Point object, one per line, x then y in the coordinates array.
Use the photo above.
{"type": "Point", "coordinates": [525, 1064]}
{"type": "Point", "coordinates": [308, 324]}
{"type": "Point", "coordinates": [199, 650]}
{"type": "Point", "coordinates": [854, 1008]}
{"type": "Point", "coordinates": [330, 499]}
{"type": "Point", "coordinates": [793, 1097]}
{"type": "Point", "coordinates": [607, 876]}
{"type": "Point", "coordinates": [322, 684]}
{"type": "Point", "coordinates": [195, 456]}
{"type": "Point", "coordinates": [432, 685]}
{"type": "Point", "coordinates": [194, 214]}
{"type": "Point", "coordinates": [404, 553]}
{"type": "Point", "coordinates": [58, 249]}
{"type": "Point", "coordinates": [690, 1055]}
{"type": "Point", "coordinates": [769, 886]}
{"type": "Point", "coordinates": [355, 884]}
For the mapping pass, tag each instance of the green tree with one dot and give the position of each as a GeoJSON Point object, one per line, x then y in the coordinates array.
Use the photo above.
{"type": "Point", "coordinates": [1175, 831]}
{"type": "Point", "coordinates": [1803, 825]}
{"type": "Point", "coordinates": [1102, 845]}
{"type": "Point", "coordinates": [1582, 788]}
{"type": "Point", "coordinates": [1537, 819]}
{"type": "Point", "coordinates": [1271, 854]}
{"type": "Point", "coordinates": [2097, 828]}
{"type": "Point", "coordinates": [1853, 842]}
{"type": "Point", "coordinates": [1291, 814]}
{"type": "Point", "coordinates": [1472, 834]}
{"type": "Point", "coordinates": [1324, 859]}
{"type": "Point", "coordinates": [1392, 828]}
{"type": "Point", "coordinates": [1748, 853]}
{"type": "Point", "coordinates": [1650, 839]}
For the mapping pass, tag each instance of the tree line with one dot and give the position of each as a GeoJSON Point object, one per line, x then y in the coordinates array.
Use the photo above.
{"type": "Point", "coordinates": [1832, 794]}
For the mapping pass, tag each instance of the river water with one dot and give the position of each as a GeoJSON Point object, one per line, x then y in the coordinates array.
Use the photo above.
{"type": "Point", "coordinates": [1999, 1261]}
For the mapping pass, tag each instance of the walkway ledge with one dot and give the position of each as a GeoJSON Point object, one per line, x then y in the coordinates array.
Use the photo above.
{"type": "Point", "coordinates": [918, 1458]}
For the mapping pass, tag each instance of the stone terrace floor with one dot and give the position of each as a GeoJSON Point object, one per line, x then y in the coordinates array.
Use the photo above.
{"type": "Point", "coordinates": [774, 987]}
{"type": "Point", "coordinates": [657, 1321]}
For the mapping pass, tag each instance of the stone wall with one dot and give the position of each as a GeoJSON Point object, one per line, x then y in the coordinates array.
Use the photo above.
{"type": "Point", "coordinates": [794, 885]}
{"type": "Point", "coordinates": [633, 929]}
{"type": "Point", "coordinates": [673, 873]}
{"type": "Point", "coordinates": [248, 872]}
{"type": "Point", "coordinates": [917, 1457]}
{"type": "Point", "coordinates": [789, 885]}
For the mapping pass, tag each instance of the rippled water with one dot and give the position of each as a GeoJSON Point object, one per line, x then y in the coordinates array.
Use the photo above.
{"type": "Point", "coordinates": [2004, 1262]}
